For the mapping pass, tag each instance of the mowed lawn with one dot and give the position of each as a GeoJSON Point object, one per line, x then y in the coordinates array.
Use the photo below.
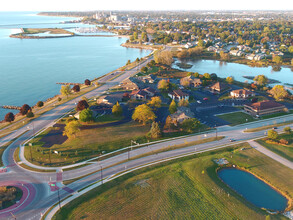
{"type": "Point", "coordinates": [236, 118]}
{"type": "Point", "coordinates": [89, 143]}
{"type": "Point", "coordinates": [184, 189]}
{"type": "Point", "coordinates": [284, 151]}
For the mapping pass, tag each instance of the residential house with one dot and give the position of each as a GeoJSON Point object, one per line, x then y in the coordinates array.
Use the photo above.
{"type": "Point", "coordinates": [150, 91]}
{"type": "Point", "coordinates": [111, 99]}
{"type": "Point", "coordinates": [130, 84]}
{"type": "Point", "coordinates": [219, 87]}
{"type": "Point", "coordinates": [277, 53]}
{"type": "Point", "coordinates": [193, 82]}
{"type": "Point", "coordinates": [181, 114]}
{"type": "Point", "coordinates": [178, 95]}
{"type": "Point", "coordinates": [264, 108]}
{"type": "Point", "coordinates": [138, 95]}
{"type": "Point", "coordinates": [212, 49]}
{"type": "Point", "coordinates": [148, 78]}
{"type": "Point", "coordinates": [250, 56]}
{"type": "Point", "coordinates": [237, 53]}
{"type": "Point", "coordinates": [241, 93]}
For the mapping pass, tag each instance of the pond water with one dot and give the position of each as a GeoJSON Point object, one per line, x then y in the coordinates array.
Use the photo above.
{"type": "Point", "coordinates": [253, 189]}
{"type": "Point", "coordinates": [225, 69]}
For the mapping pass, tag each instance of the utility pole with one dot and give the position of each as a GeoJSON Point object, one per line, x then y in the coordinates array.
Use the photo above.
{"type": "Point", "coordinates": [50, 156]}
{"type": "Point", "coordinates": [101, 174]}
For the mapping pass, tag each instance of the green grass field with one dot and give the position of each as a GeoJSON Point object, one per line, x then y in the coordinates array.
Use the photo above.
{"type": "Point", "coordinates": [236, 118]}
{"type": "Point", "coordinates": [284, 151]}
{"type": "Point", "coordinates": [187, 188]}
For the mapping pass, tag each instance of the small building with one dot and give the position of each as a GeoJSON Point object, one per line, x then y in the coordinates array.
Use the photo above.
{"type": "Point", "coordinates": [181, 114]}
{"type": "Point", "coordinates": [241, 93]}
{"type": "Point", "coordinates": [219, 87]}
{"type": "Point", "coordinates": [250, 56]}
{"type": "Point", "coordinates": [178, 95]}
{"type": "Point", "coordinates": [111, 99]}
{"type": "Point", "coordinates": [193, 82]}
{"type": "Point", "coordinates": [139, 95]}
{"type": "Point", "coordinates": [264, 108]}
{"type": "Point", "coordinates": [148, 78]}
{"type": "Point", "coordinates": [150, 91]}
{"type": "Point", "coordinates": [130, 84]}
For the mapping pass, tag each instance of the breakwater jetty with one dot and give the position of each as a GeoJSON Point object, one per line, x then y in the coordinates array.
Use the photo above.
{"type": "Point", "coordinates": [10, 107]}
{"type": "Point", "coordinates": [66, 83]}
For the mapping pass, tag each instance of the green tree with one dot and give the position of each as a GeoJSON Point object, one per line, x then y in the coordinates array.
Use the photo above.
{"type": "Point", "coordinates": [183, 102]}
{"type": "Point", "coordinates": [155, 102]}
{"type": "Point", "coordinates": [287, 130]}
{"type": "Point", "coordinates": [173, 107]}
{"type": "Point", "coordinates": [163, 85]}
{"type": "Point", "coordinates": [135, 36]}
{"type": "Point", "coordinates": [128, 62]}
{"type": "Point", "coordinates": [71, 129]}
{"type": "Point", "coordinates": [30, 114]}
{"type": "Point", "coordinates": [290, 49]}
{"type": "Point", "coordinates": [155, 131]}
{"type": "Point", "coordinates": [200, 43]}
{"type": "Point", "coordinates": [65, 90]}
{"type": "Point", "coordinates": [196, 74]}
{"type": "Point", "coordinates": [277, 60]}
{"type": "Point", "coordinates": [272, 134]}
{"type": "Point", "coordinates": [117, 109]}
{"type": "Point", "coordinates": [143, 114]}
{"type": "Point", "coordinates": [144, 69]}
{"type": "Point", "coordinates": [189, 125]}
{"type": "Point", "coordinates": [207, 76]}
{"type": "Point", "coordinates": [261, 80]}
{"type": "Point", "coordinates": [279, 92]}
{"type": "Point", "coordinates": [86, 115]}
{"type": "Point", "coordinates": [230, 79]}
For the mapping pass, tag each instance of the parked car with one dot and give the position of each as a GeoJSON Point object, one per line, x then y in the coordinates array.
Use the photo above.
{"type": "Point", "coordinates": [205, 99]}
{"type": "Point", "coordinates": [198, 101]}
{"type": "Point", "coordinates": [232, 140]}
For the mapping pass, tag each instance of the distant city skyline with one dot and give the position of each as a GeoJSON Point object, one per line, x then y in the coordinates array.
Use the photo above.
{"type": "Point", "coordinates": [90, 5]}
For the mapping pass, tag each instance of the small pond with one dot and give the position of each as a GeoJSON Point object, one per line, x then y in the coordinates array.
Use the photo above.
{"type": "Point", "coordinates": [253, 189]}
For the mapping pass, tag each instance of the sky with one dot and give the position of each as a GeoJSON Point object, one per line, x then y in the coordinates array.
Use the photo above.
{"type": "Point", "coordinates": [90, 5]}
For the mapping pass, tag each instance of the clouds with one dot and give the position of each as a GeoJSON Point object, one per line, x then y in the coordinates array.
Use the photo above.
{"type": "Point", "coordinates": [89, 5]}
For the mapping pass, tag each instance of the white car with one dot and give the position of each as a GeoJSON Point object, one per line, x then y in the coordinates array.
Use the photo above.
{"type": "Point", "coordinates": [198, 101]}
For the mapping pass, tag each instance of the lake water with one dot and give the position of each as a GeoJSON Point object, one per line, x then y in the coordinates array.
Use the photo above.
{"type": "Point", "coordinates": [253, 189]}
{"type": "Point", "coordinates": [225, 69]}
{"type": "Point", "coordinates": [30, 68]}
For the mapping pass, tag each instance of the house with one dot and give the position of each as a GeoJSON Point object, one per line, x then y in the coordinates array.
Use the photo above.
{"type": "Point", "coordinates": [237, 53]}
{"type": "Point", "coordinates": [212, 49]}
{"type": "Point", "coordinates": [219, 87]}
{"type": "Point", "coordinates": [241, 93]}
{"type": "Point", "coordinates": [277, 53]}
{"type": "Point", "coordinates": [193, 82]}
{"type": "Point", "coordinates": [181, 114]}
{"type": "Point", "coordinates": [250, 56]}
{"type": "Point", "coordinates": [130, 84]}
{"type": "Point", "coordinates": [139, 95]}
{"type": "Point", "coordinates": [111, 99]}
{"type": "Point", "coordinates": [178, 95]}
{"type": "Point", "coordinates": [264, 108]}
{"type": "Point", "coordinates": [147, 79]}
{"type": "Point", "coordinates": [150, 91]}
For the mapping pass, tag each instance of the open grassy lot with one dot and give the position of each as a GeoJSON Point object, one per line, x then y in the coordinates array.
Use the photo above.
{"type": "Point", "coordinates": [188, 188]}
{"type": "Point", "coordinates": [87, 144]}
{"type": "Point", "coordinates": [284, 151]}
{"type": "Point", "coordinates": [236, 118]}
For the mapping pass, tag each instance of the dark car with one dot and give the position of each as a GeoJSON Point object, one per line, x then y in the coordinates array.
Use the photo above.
{"type": "Point", "coordinates": [232, 140]}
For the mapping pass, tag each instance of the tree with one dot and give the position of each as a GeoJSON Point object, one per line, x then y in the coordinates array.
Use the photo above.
{"type": "Point", "coordinates": [128, 62]}
{"type": "Point", "coordinates": [190, 124]}
{"type": "Point", "coordinates": [261, 80]}
{"type": "Point", "coordinates": [185, 82]}
{"type": "Point", "coordinates": [143, 114]}
{"type": "Point", "coordinates": [183, 102]}
{"type": "Point", "coordinates": [196, 74]}
{"type": "Point", "coordinates": [163, 57]}
{"type": "Point", "coordinates": [155, 131]}
{"type": "Point", "coordinates": [272, 134]}
{"type": "Point", "coordinates": [287, 130]}
{"type": "Point", "coordinates": [230, 79]}
{"type": "Point", "coordinates": [144, 69]}
{"type": "Point", "coordinates": [76, 88]}
{"type": "Point", "coordinates": [277, 60]}
{"type": "Point", "coordinates": [81, 105]}
{"type": "Point", "coordinates": [163, 85]}
{"type": "Point", "coordinates": [65, 90]}
{"type": "Point", "coordinates": [117, 109]}
{"type": "Point", "coordinates": [40, 103]}
{"type": "Point", "coordinates": [207, 76]}
{"type": "Point", "coordinates": [290, 49]}
{"type": "Point", "coordinates": [279, 92]}
{"type": "Point", "coordinates": [9, 117]}
{"type": "Point", "coordinates": [87, 82]}
{"type": "Point", "coordinates": [25, 109]}
{"type": "Point", "coordinates": [71, 129]}
{"type": "Point", "coordinates": [169, 123]}
{"type": "Point", "coordinates": [86, 115]}
{"type": "Point", "coordinates": [214, 76]}
{"type": "Point", "coordinates": [155, 102]}
{"type": "Point", "coordinates": [173, 107]}
{"type": "Point", "coordinates": [30, 114]}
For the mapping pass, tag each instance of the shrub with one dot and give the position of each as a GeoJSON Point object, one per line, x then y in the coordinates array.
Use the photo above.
{"type": "Point", "coordinates": [86, 115]}
{"type": "Point", "coordinates": [30, 114]}
{"type": "Point", "coordinates": [87, 82]}
{"type": "Point", "coordinates": [40, 103]}
{"type": "Point", "coordinates": [287, 130]}
{"type": "Point", "coordinates": [81, 105]}
{"type": "Point", "coordinates": [76, 88]}
{"type": "Point", "coordinates": [283, 141]}
{"type": "Point", "coordinates": [25, 109]}
{"type": "Point", "coordinates": [9, 117]}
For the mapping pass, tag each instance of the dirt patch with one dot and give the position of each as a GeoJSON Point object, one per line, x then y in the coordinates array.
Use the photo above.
{"type": "Point", "coordinates": [55, 136]}
{"type": "Point", "coordinates": [142, 183]}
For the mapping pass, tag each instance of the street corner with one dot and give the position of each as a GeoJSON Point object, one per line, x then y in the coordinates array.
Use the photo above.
{"type": "Point", "coordinates": [53, 186]}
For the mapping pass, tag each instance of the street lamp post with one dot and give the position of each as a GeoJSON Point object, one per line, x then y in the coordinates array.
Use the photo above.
{"type": "Point", "coordinates": [101, 174]}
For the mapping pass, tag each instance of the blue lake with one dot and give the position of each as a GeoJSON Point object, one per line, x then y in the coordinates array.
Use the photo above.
{"type": "Point", "coordinates": [30, 68]}
{"type": "Point", "coordinates": [253, 189]}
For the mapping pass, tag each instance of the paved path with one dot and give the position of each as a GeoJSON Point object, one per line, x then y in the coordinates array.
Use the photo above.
{"type": "Point", "coordinates": [271, 154]}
